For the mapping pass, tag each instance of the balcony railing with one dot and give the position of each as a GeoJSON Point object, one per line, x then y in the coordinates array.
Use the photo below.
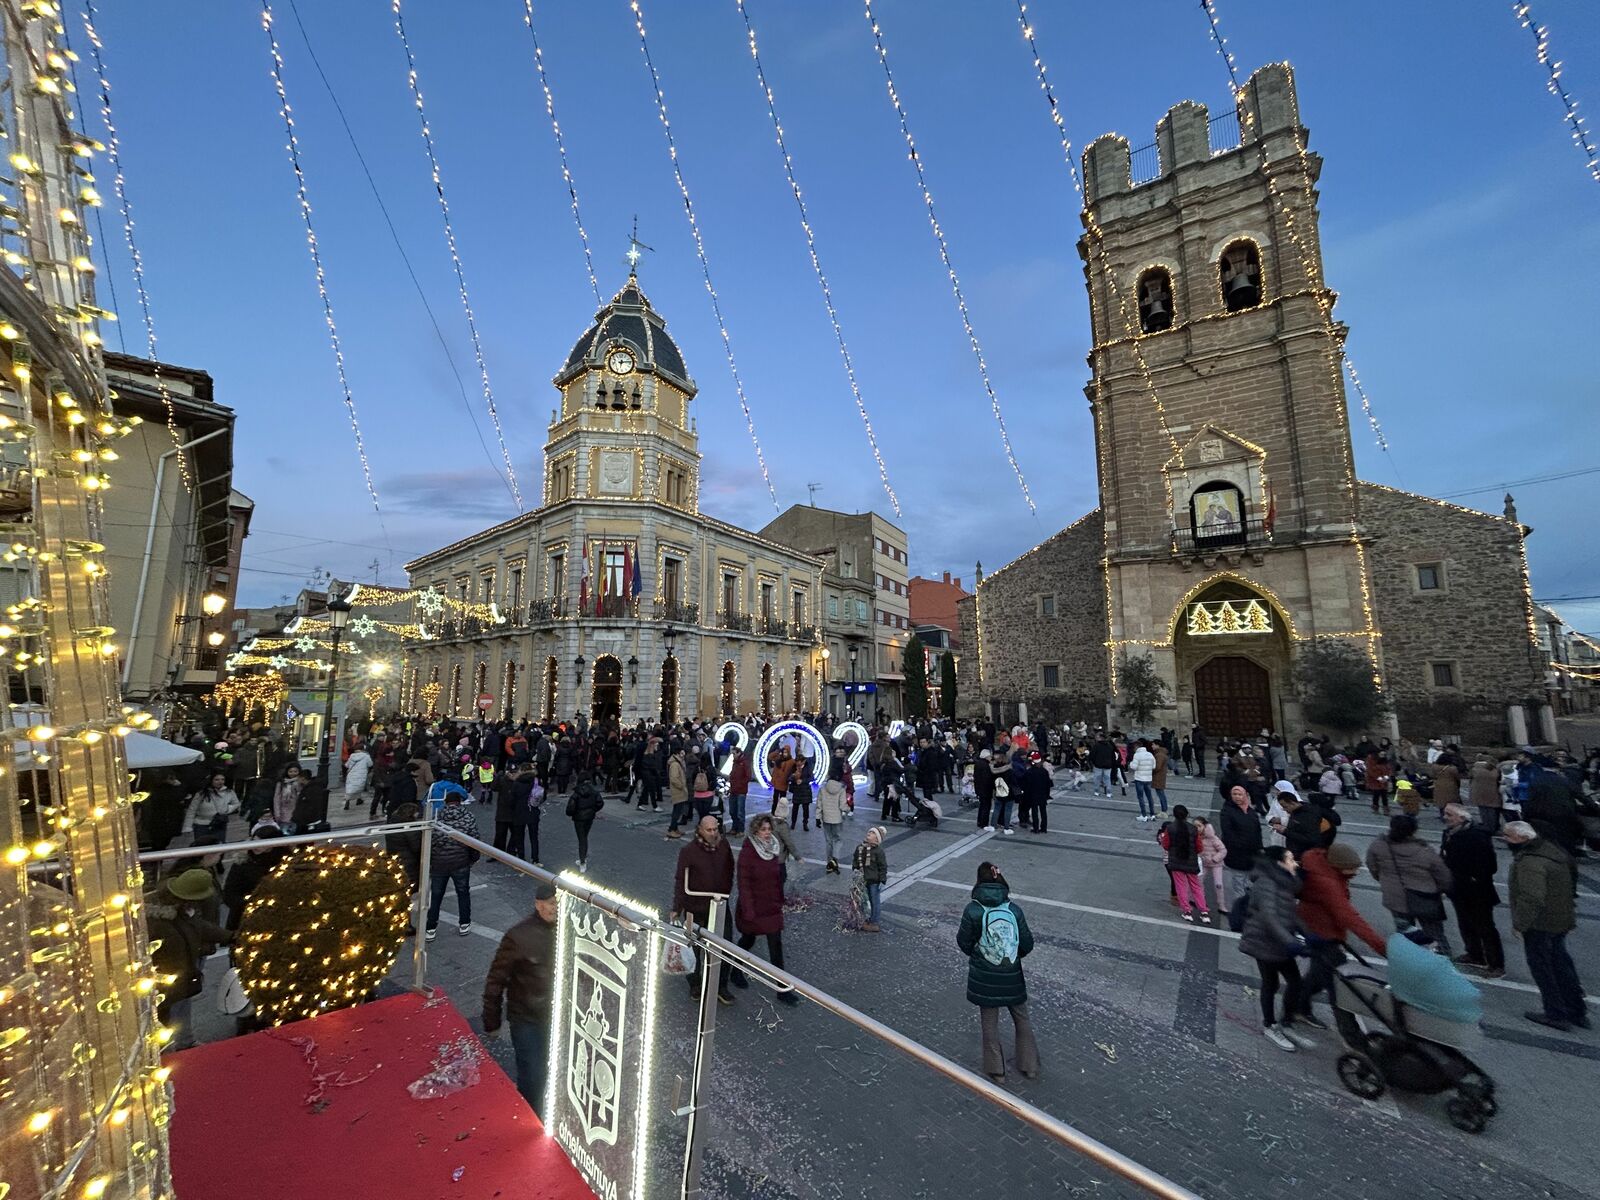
{"type": "Point", "coordinates": [773, 627]}
{"type": "Point", "coordinates": [803, 633]}
{"type": "Point", "coordinates": [1213, 539]}
{"type": "Point", "coordinates": [738, 622]}
{"type": "Point", "coordinates": [676, 613]}
{"type": "Point", "coordinates": [551, 608]}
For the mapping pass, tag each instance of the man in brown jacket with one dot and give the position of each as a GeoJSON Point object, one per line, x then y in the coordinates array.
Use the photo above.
{"type": "Point", "coordinates": [521, 978]}
{"type": "Point", "coordinates": [705, 864]}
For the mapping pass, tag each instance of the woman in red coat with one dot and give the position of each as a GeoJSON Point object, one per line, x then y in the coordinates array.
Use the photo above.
{"type": "Point", "coordinates": [760, 906]}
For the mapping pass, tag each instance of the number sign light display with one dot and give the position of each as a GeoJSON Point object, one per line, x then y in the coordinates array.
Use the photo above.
{"type": "Point", "coordinates": [858, 752]}
{"type": "Point", "coordinates": [801, 731]}
{"type": "Point", "coordinates": [602, 1044]}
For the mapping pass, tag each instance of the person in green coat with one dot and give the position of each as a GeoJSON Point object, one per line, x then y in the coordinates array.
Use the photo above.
{"type": "Point", "coordinates": [994, 936]}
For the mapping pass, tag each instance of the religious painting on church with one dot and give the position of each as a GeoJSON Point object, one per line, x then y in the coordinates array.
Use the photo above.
{"type": "Point", "coordinates": [1217, 514]}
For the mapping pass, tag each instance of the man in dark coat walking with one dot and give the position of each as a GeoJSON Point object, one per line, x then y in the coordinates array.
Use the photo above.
{"type": "Point", "coordinates": [521, 981]}
{"type": "Point", "coordinates": [705, 864]}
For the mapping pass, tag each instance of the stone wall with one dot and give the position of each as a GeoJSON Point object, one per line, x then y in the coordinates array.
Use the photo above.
{"type": "Point", "coordinates": [1018, 640]}
{"type": "Point", "coordinates": [1478, 621]}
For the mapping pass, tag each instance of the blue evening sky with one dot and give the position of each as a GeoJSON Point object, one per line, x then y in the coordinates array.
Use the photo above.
{"type": "Point", "coordinates": [1460, 228]}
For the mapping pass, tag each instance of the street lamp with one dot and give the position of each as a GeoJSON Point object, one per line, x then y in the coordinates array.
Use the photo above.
{"type": "Point", "coordinates": [577, 666]}
{"type": "Point", "coordinates": [633, 669]}
{"type": "Point", "coordinates": [669, 635]}
{"type": "Point", "coordinates": [212, 604]}
{"type": "Point", "coordinates": [338, 617]}
{"type": "Point", "coordinates": [215, 638]}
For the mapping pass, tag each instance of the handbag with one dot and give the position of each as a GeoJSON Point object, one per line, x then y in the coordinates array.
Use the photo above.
{"type": "Point", "coordinates": [1420, 906]}
{"type": "Point", "coordinates": [1002, 789]}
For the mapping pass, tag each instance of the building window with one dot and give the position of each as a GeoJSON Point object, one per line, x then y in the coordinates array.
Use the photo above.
{"type": "Point", "coordinates": [514, 591]}
{"type": "Point", "coordinates": [1047, 605]}
{"type": "Point", "coordinates": [486, 583]}
{"type": "Point", "coordinates": [1155, 300]}
{"type": "Point", "coordinates": [797, 607]}
{"type": "Point", "coordinates": [1240, 273]}
{"type": "Point", "coordinates": [833, 608]}
{"type": "Point", "coordinates": [1430, 577]}
{"type": "Point", "coordinates": [1050, 676]}
{"type": "Point", "coordinates": [670, 569]}
{"type": "Point", "coordinates": [1442, 674]}
{"type": "Point", "coordinates": [730, 593]}
{"type": "Point", "coordinates": [861, 611]}
{"type": "Point", "coordinates": [557, 576]}
{"type": "Point", "coordinates": [768, 593]}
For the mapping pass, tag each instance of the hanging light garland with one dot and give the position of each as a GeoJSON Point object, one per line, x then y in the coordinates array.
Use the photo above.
{"type": "Point", "coordinates": [1309, 261]}
{"type": "Point", "coordinates": [1336, 357]}
{"type": "Point", "coordinates": [455, 254]}
{"type": "Point", "coordinates": [561, 147]}
{"type": "Point", "coordinates": [1097, 240]}
{"type": "Point", "coordinates": [944, 254]}
{"type": "Point", "coordinates": [315, 250]}
{"type": "Point", "coordinates": [1569, 105]}
{"type": "Point", "coordinates": [700, 249]}
{"type": "Point", "coordinates": [114, 154]}
{"type": "Point", "coordinates": [816, 262]}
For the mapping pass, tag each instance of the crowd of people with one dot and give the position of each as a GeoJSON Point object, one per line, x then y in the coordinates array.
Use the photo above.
{"type": "Point", "coordinates": [1270, 855]}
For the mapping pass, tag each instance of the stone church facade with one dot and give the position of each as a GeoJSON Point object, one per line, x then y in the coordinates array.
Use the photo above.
{"type": "Point", "coordinates": [1232, 529]}
{"type": "Point", "coordinates": [618, 597]}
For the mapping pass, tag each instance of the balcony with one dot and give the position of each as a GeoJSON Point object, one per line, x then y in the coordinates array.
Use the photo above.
{"type": "Point", "coordinates": [542, 612]}
{"type": "Point", "coordinates": [773, 627]}
{"type": "Point", "coordinates": [803, 633]}
{"type": "Point", "coordinates": [1231, 539]}
{"type": "Point", "coordinates": [675, 613]}
{"type": "Point", "coordinates": [736, 622]}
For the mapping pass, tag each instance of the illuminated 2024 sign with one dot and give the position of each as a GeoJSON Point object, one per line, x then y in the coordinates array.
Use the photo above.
{"type": "Point", "coordinates": [602, 1041]}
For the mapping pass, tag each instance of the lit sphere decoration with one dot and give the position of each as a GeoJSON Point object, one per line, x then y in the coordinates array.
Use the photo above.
{"type": "Point", "coordinates": [322, 930]}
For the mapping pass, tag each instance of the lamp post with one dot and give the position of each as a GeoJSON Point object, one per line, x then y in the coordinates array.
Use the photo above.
{"type": "Point", "coordinates": [338, 617]}
{"type": "Point", "coordinates": [669, 712]}
{"type": "Point", "coordinates": [822, 691]}
{"type": "Point", "coordinates": [853, 649]}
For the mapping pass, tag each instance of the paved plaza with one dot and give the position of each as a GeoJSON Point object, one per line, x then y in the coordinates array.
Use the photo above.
{"type": "Point", "coordinates": [1148, 1029]}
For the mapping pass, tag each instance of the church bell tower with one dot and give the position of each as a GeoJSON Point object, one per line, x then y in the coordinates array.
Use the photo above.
{"type": "Point", "coordinates": [1227, 484]}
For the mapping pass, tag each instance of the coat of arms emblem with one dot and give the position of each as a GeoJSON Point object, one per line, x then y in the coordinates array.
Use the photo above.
{"type": "Point", "coordinates": [597, 1024]}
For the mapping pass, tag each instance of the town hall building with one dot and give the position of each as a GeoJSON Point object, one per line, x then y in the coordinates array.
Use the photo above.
{"type": "Point", "coordinates": [617, 597]}
{"type": "Point", "coordinates": [1232, 528]}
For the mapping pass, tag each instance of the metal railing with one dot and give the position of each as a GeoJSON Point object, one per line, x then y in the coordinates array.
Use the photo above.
{"type": "Point", "coordinates": [1247, 533]}
{"type": "Point", "coordinates": [705, 942]}
{"type": "Point", "coordinates": [676, 613]}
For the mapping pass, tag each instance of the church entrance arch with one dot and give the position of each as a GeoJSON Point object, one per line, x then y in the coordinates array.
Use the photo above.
{"type": "Point", "coordinates": [1232, 644]}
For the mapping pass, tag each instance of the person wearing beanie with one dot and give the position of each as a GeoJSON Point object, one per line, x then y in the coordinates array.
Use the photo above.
{"type": "Point", "coordinates": [872, 864]}
{"type": "Point", "coordinates": [1328, 918]}
{"type": "Point", "coordinates": [521, 981]}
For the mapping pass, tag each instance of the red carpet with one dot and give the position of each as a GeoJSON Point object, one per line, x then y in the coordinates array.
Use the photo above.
{"type": "Point", "coordinates": [262, 1118]}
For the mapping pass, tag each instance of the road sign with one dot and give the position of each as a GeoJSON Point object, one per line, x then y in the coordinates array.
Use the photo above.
{"type": "Point", "coordinates": [485, 701]}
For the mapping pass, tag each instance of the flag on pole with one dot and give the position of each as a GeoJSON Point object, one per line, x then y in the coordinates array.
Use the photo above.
{"type": "Point", "coordinates": [1272, 509]}
{"type": "Point", "coordinates": [603, 592]}
{"type": "Point", "coordinates": [583, 581]}
{"type": "Point", "coordinates": [631, 569]}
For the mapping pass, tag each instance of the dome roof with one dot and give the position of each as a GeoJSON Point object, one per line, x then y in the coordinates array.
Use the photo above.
{"type": "Point", "coordinates": [628, 319]}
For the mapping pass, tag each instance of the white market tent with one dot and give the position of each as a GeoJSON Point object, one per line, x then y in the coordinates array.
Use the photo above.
{"type": "Point", "coordinates": [143, 750]}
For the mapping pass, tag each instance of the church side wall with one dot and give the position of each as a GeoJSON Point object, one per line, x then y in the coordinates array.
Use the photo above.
{"type": "Point", "coordinates": [1478, 622]}
{"type": "Point", "coordinates": [1018, 641]}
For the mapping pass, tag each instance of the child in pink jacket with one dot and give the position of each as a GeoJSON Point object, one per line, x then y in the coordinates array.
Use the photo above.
{"type": "Point", "coordinates": [1212, 852]}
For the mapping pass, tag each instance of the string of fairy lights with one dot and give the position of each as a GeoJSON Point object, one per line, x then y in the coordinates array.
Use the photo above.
{"type": "Point", "coordinates": [1569, 104]}
{"type": "Point", "coordinates": [561, 147]}
{"type": "Point", "coordinates": [944, 255]}
{"type": "Point", "coordinates": [125, 208]}
{"type": "Point", "coordinates": [1309, 259]}
{"type": "Point", "coordinates": [455, 252]}
{"type": "Point", "coordinates": [700, 247]}
{"type": "Point", "coordinates": [315, 249]}
{"type": "Point", "coordinates": [816, 262]}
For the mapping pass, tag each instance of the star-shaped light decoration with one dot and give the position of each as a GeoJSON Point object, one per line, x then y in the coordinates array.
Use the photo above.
{"type": "Point", "coordinates": [277, 662]}
{"type": "Point", "coordinates": [305, 644]}
{"type": "Point", "coordinates": [430, 602]}
{"type": "Point", "coordinates": [363, 626]}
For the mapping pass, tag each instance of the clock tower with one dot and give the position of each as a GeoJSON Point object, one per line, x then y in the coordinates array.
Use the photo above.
{"type": "Point", "coordinates": [623, 430]}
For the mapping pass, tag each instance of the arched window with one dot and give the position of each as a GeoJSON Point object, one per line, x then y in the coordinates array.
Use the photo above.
{"type": "Point", "coordinates": [1155, 300]}
{"type": "Point", "coordinates": [1217, 515]}
{"type": "Point", "coordinates": [1240, 271]}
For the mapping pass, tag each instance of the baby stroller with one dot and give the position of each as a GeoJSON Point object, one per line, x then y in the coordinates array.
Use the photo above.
{"type": "Point", "coordinates": [969, 790]}
{"type": "Point", "coordinates": [1389, 1043]}
{"type": "Point", "coordinates": [923, 812]}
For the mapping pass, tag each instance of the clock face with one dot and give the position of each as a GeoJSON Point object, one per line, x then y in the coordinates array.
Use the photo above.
{"type": "Point", "coordinates": [620, 361]}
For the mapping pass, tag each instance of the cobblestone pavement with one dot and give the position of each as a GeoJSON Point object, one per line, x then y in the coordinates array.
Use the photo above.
{"type": "Point", "coordinates": [1148, 1030]}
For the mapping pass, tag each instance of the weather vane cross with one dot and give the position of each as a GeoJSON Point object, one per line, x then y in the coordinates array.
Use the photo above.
{"type": "Point", "coordinates": [635, 246]}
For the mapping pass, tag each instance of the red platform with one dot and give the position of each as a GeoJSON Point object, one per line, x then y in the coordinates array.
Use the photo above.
{"type": "Point", "coordinates": [248, 1123]}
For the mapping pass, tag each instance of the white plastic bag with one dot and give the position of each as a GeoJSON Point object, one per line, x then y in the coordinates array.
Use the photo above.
{"type": "Point", "coordinates": [679, 960]}
{"type": "Point", "coordinates": [231, 998]}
